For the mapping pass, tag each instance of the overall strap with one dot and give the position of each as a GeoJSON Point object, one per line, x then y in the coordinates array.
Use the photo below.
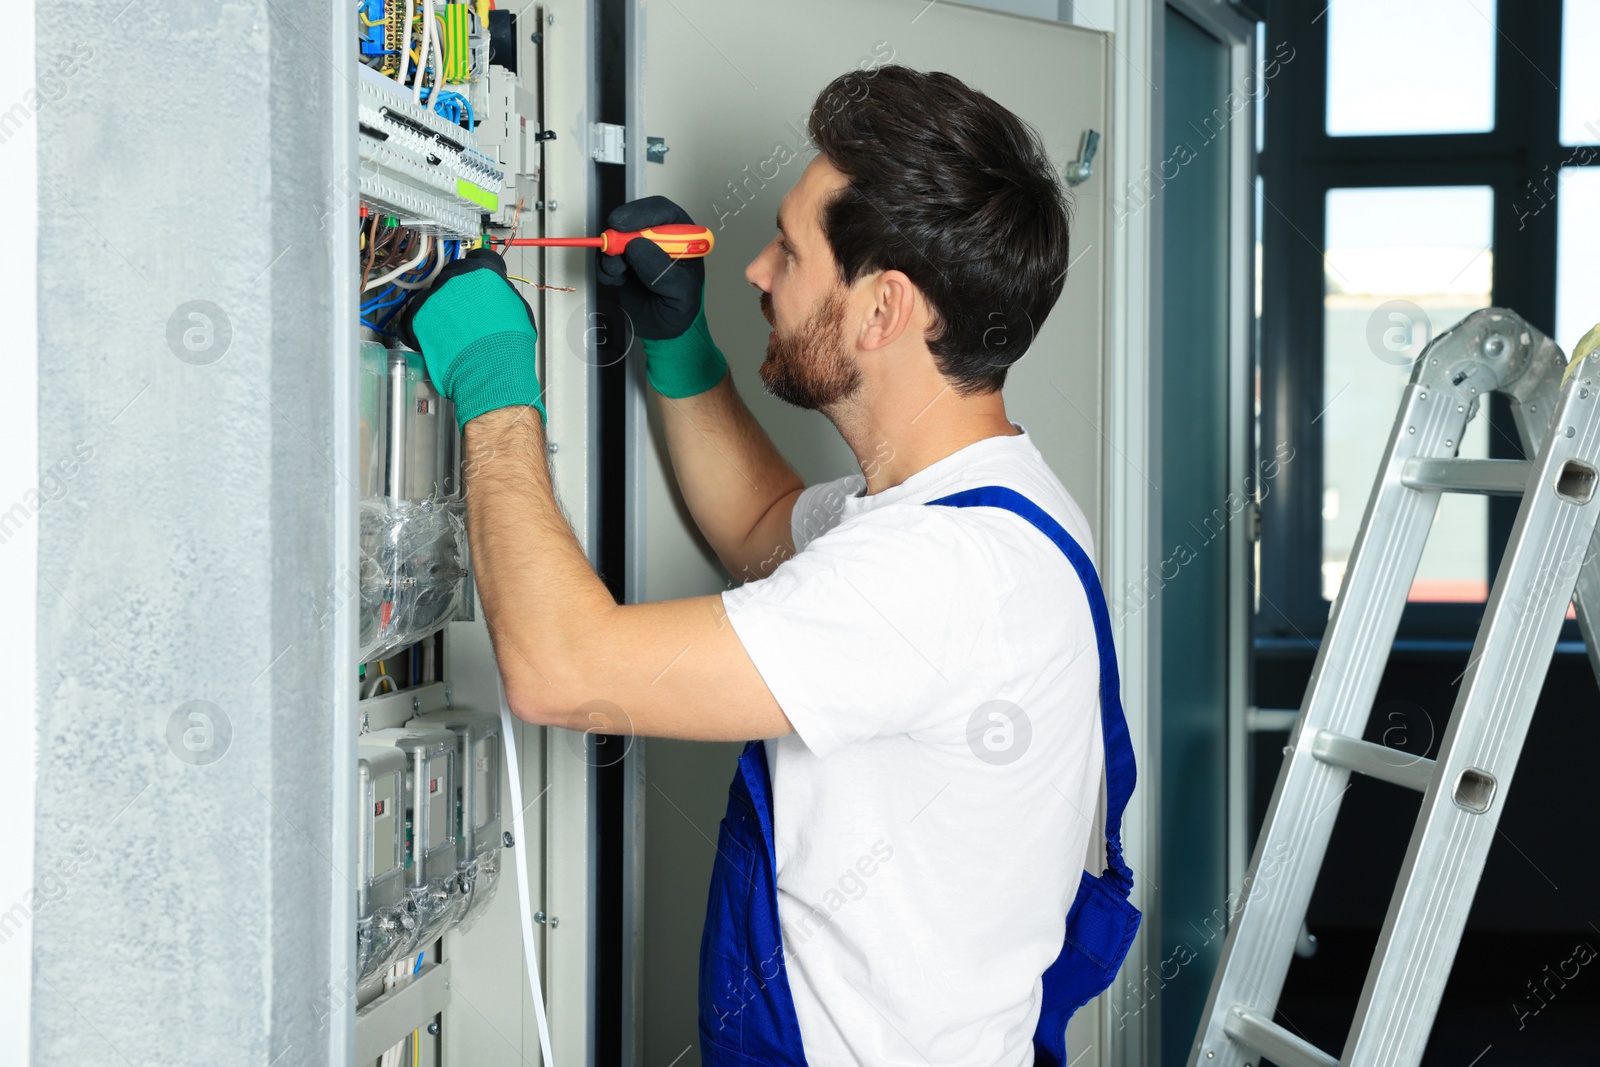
{"type": "Point", "coordinates": [1119, 761]}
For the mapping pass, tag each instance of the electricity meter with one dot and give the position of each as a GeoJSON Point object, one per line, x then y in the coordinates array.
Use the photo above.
{"type": "Point", "coordinates": [479, 840]}
{"type": "Point", "coordinates": [382, 933]}
{"type": "Point", "coordinates": [429, 793]}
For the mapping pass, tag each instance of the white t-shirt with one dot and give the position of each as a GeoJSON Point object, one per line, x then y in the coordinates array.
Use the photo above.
{"type": "Point", "coordinates": [938, 799]}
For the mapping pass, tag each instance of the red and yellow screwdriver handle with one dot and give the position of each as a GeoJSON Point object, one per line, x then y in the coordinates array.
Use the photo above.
{"type": "Point", "coordinates": [678, 240]}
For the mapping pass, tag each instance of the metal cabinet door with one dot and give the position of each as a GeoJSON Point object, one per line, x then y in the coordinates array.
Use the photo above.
{"type": "Point", "coordinates": [728, 84]}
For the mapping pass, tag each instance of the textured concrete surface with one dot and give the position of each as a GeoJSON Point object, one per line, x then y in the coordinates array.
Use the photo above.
{"type": "Point", "coordinates": [189, 580]}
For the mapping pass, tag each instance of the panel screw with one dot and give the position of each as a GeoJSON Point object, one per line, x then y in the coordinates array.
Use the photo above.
{"type": "Point", "coordinates": [552, 448]}
{"type": "Point", "coordinates": [538, 38]}
{"type": "Point", "coordinates": [550, 205]}
{"type": "Point", "coordinates": [510, 842]}
{"type": "Point", "coordinates": [433, 1028]}
{"type": "Point", "coordinates": [550, 19]}
{"type": "Point", "coordinates": [416, 703]}
{"type": "Point", "coordinates": [447, 695]}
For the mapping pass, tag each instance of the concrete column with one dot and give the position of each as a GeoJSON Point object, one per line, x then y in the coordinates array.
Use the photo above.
{"type": "Point", "coordinates": [195, 607]}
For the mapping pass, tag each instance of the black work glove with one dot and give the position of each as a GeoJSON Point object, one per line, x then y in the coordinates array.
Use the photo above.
{"type": "Point", "coordinates": [664, 298]}
{"type": "Point", "coordinates": [660, 294]}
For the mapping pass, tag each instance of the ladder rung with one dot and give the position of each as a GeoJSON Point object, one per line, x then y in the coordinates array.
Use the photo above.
{"type": "Point", "coordinates": [1273, 1041]}
{"type": "Point", "coordinates": [1375, 761]}
{"type": "Point", "coordinates": [1497, 477]}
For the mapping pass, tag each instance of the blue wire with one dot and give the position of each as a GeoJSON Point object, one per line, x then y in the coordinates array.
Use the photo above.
{"type": "Point", "coordinates": [394, 311]}
{"type": "Point", "coordinates": [381, 300]}
{"type": "Point", "coordinates": [449, 104]}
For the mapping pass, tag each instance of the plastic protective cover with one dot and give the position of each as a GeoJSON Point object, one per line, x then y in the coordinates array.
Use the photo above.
{"type": "Point", "coordinates": [413, 568]}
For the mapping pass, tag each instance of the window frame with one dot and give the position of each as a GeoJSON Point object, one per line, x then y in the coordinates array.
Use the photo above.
{"type": "Point", "coordinates": [1299, 164]}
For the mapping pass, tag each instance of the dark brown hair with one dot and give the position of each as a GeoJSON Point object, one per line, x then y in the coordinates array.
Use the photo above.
{"type": "Point", "coordinates": [955, 191]}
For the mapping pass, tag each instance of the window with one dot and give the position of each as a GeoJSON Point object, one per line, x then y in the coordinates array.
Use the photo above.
{"type": "Point", "coordinates": [1422, 66]}
{"type": "Point", "coordinates": [1420, 161]}
{"type": "Point", "coordinates": [1580, 73]}
{"type": "Point", "coordinates": [1402, 266]}
{"type": "Point", "coordinates": [1577, 254]}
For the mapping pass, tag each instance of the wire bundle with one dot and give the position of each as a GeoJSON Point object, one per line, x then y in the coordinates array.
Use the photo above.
{"type": "Point", "coordinates": [451, 105]}
{"type": "Point", "coordinates": [401, 974]}
{"type": "Point", "coordinates": [403, 256]}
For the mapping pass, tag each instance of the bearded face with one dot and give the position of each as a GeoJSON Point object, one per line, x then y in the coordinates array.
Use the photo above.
{"type": "Point", "coordinates": [810, 368]}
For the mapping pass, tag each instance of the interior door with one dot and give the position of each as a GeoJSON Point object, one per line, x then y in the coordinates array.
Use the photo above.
{"type": "Point", "coordinates": [1195, 464]}
{"type": "Point", "coordinates": [727, 85]}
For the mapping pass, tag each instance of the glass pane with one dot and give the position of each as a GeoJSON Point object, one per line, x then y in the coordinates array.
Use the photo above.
{"type": "Point", "coordinates": [1577, 264]}
{"type": "Point", "coordinates": [1401, 267]}
{"type": "Point", "coordinates": [1424, 66]}
{"type": "Point", "coordinates": [1580, 75]}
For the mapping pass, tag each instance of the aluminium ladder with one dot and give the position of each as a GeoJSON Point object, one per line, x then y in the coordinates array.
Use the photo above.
{"type": "Point", "coordinates": [1548, 563]}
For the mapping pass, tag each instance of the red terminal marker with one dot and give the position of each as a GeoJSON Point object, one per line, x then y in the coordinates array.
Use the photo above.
{"type": "Point", "coordinates": [678, 240]}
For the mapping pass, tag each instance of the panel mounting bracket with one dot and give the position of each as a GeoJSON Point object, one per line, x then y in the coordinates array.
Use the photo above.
{"type": "Point", "coordinates": [606, 142]}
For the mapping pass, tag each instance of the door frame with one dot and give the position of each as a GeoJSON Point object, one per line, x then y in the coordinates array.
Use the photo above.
{"type": "Point", "coordinates": [1237, 33]}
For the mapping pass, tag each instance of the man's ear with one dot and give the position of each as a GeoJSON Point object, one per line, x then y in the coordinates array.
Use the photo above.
{"type": "Point", "coordinates": [894, 304]}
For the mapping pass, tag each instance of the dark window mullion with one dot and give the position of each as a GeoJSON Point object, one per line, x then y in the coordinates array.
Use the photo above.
{"type": "Point", "coordinates": [1291, 331]}
{"type": "Point", "coordinates": [1527, 101]}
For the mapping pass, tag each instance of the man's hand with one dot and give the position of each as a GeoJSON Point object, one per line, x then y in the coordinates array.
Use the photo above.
{"type": "Point", "coordinates": [665, 300]}
{"type": "Point", "coordinates": [477, 336]}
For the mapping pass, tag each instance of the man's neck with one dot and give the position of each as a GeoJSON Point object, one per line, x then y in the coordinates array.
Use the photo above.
{"type": "Point", "coordinates": [892, 440]}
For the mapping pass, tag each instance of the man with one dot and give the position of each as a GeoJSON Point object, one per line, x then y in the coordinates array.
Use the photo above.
{"type": "Point", "coordinates": [923, 647]}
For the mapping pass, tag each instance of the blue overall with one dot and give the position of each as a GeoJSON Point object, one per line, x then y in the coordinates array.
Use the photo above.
{"type": "Point", "coordinates": [747, 1014]}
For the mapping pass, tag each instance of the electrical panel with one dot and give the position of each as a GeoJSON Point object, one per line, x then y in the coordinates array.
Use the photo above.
{"type": "Point", "coordinates": [451, 147]}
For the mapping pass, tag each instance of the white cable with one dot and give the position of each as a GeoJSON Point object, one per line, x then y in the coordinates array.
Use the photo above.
{"type": "Point", "coordinates": [405, 46]}
{"type": "Point", "coordinates": [438, 70]}
{"type": "Point", "coordinates": [432, 274]}
{"type": "Point", "coordinates": [507, 727]}
{"type": "Point", "coordinates": [404, 268]}
{"type": "Point", "coordinates": [422, 53]}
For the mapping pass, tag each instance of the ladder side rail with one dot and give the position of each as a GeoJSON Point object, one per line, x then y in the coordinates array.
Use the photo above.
{"type": "Point", "coordinates": [1479, 751]}
{"type": "Point", "coordinates": [1533, 416]}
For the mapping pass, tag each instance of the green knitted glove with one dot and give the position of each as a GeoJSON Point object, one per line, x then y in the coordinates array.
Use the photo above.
{"type": "Point", "coordinates": [477, 336]}
{"type": "Point", "coordinates": [687, 364]}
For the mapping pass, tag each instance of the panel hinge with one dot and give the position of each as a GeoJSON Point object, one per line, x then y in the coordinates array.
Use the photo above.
{"type": "Point", "coordinates": [606, 140]}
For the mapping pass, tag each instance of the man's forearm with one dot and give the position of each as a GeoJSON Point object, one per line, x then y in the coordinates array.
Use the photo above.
{"type": "Point", "coordinates": [738, 488]}
{"type": "Point", "coordinates": [568, 654]}
{"type": "Point", "coordinates": [541, 599]}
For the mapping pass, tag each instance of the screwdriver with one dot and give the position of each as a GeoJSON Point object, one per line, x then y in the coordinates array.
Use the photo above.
{"type": "Point", "coordinates": [678, 240]}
